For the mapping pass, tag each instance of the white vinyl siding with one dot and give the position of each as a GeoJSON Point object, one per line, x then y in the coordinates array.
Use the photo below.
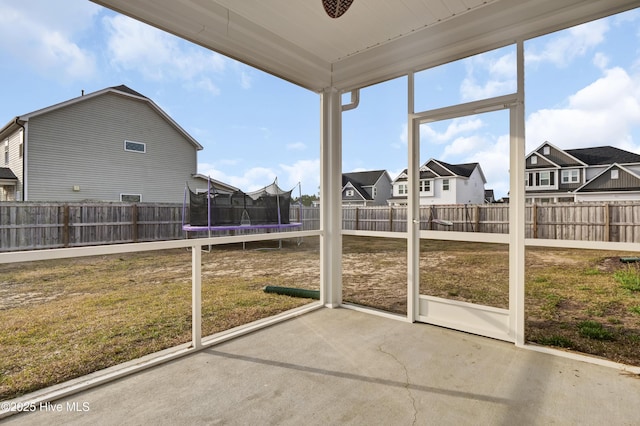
{"type": "Point", "coordinates": [15, 159]}
{"type": "Point", "coordinates": [92, 155]}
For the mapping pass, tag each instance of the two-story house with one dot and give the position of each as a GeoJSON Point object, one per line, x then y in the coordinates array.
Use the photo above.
{"type": "Point", "coordinates": [370, 188]}
{"type": "Point", "coordinates": [111, 145]}
{"type": "Point", "coordinates": [443, 183]}
{"type": "Point", "coordinates": [603, 173]}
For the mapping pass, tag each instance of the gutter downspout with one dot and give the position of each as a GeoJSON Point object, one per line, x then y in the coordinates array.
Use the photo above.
{"type": "Point", "coordinates": [24, 158]}
{"type": "Point", "coordinates": [355, 101]}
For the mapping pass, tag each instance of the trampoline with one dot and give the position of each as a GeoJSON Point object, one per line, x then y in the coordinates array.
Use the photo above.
{"type": "Point", "coordinates": [265, 209]}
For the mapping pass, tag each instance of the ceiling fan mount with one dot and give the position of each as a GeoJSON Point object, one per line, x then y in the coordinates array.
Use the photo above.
{"type": "Point", "coordinates": [336, 8]}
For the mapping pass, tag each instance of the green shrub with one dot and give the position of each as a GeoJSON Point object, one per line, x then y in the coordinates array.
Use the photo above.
{"type": "Point", "coordinates": [635, 309]}
{"type": "Point", "coordinates": [594, 330]}
{"type": "Point", "coordinates": [629, 278]}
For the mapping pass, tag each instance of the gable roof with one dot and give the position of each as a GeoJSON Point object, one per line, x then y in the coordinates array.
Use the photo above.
{"type": "Point", "coordinates": [435, 168]}
{"type": "Point", "coordinates": [627, 181]}
{"type": "Point", "coordinates": [593, 156]}
{"type": "Point", "coordinates": [604, 155]}
{"type": "Point", "coordinates": [361, 193]}
{"type": "Point", "coordinates": [216, 184]}
{"type": "Point", "coordinates": [6, 173]}
{"type": "Point", "coordinates": [367, 178]}
{"type": "Point", "coordinates": [121, 90]}
{"type": "Point", "coordinates": [556, 158]}
{"type": "Point", "coordinates": [460, 169]}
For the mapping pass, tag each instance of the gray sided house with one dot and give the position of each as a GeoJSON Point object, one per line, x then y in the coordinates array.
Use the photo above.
{"type": "Point", "coordinates": [444, 183]}
{"type": "Point", "coordinates": [111, 145]}
{"type": "Point", "coordinates": [370, 188]}
{"type": "Point", "coordinates": [602, 173]}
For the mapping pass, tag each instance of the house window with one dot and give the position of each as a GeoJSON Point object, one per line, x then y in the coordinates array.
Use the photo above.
{"type": "Point", "coordinates": [402, 189]}
{"type": "Point", "coordinates": [614, 174]}
{"type": "Point", "coordinates": [571, 176]}
{"type": "Point", "coordinates": [6, 152]}
{"type": "Point", "coordinates": [545, 178]}
{"type": "Point", "coordinates": [349, 193]}
{"type": "Point", "coordinates": [445, 184]}
{"type": "Point", "coordinates": [135, 146]}
{"type": "Point", "coordinates": [425, 185]}
{"type": "Point", "coordinates": [534, 159]}
{"type": "Point", "coordinates": [546, 150]}
{"type": "Point", "coordinates": [374, 192]}
{"type": "Point", "coordinates": [21, 150]}
{"type": "Point", "coordinates": [130, 198]}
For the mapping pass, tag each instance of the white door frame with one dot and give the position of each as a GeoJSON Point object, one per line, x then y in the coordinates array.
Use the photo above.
{"type": "Point", "coordinates": [498, 323]}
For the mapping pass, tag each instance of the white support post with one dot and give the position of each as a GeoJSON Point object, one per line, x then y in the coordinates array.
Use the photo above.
{"type": "Point", "coordinates": [330, 198]}
{"type": "Point", "coordinates": [517, 208]}
{"type": "Point", "coordinates": [413, 207]}
{"type": "Point", "coordinates": [196, 296]}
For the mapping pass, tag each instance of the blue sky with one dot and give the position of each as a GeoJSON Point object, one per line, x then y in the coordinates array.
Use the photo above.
{"type": "Point", "coordinates": [582, 88]}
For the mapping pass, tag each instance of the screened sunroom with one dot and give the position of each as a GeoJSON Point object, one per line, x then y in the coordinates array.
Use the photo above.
{"type": "Point", "coordinates": [371, 43]}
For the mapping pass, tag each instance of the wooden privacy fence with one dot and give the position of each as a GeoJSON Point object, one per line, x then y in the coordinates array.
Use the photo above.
{"type": "Point", "coordinates": [28, 226]}
{"type": "Point", "coordinates": [616, 222]}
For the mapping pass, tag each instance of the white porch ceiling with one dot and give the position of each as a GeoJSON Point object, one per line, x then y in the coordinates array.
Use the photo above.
{"type": "Point", "coordinates": [373, 41]}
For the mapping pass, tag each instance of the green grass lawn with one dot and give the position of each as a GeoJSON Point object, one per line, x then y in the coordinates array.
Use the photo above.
{"type": "Point", "coordinates": [66, 318]}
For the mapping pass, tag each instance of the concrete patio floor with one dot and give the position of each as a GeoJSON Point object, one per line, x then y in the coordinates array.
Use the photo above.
{"type": "Point", "coordinates": [340, 366]}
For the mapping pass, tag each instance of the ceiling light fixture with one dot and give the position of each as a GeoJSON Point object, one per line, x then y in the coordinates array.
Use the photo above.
{"type": "Point", "coordinates": [336, 8]}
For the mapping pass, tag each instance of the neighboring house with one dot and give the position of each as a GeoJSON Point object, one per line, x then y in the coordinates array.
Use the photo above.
{"type": "Point", "coordinates": [8, 184]}
{"type": "Point", "coordinates": [489, 196]}
{"type": "Point", "coordinates": [203, 183]}
{"type": "Point", "coordinates": [443, 183]}
{"type": "Point", "coordinates": [601, 173]}
{"type": "Point", "coordinates": [111, 145]}
{"type": "Point", "coordinates": [371, 188]}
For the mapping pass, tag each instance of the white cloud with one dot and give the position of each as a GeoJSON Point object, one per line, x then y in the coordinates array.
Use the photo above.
{"type": "Point", "coordinates": [600, 60]}
{"type": "Point", "coordinates": [250, 180]}
{"type": "Point", "coordinates": [562, 48]}
{"type": "Point", "coordinates": [41, 33]}
{"type": "Point", "coordinates": [494, 161]}
{"type": "Point", "coordinates": [499, 75]}
{"type": "Point", "coordinates": [296, 146]}
{"type": "Point", "coordinates": [307, 172]}
{"type": "Point", "coordinates": [463, 145]}
{"type": "Point", "coordinates": [457, 126]}
{"type": "Point", "coordinates": [603, 113]}
{"type": "Point", "coordinates": [135, 46]}
{"type": "Point", "coordinates": [402, 137]}
{"type": "Point", "coordinates": [492, 153]}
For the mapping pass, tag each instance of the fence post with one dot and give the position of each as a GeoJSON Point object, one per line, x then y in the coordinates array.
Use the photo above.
{"type": "Point", "coordinates": [607, 223]}
{"type": "Point", "coordinates": [476, 217]}
{"type": "Point", "coordinates": [534, 219]}
{"type": "Point", "coordinates": [390, 218]}
{"type": "Point", "coordinates": [65, 226]}
{"type": "Point", "coordinates": [134, 220]}
{"type": "Point", "coordinates": [357, 219]}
